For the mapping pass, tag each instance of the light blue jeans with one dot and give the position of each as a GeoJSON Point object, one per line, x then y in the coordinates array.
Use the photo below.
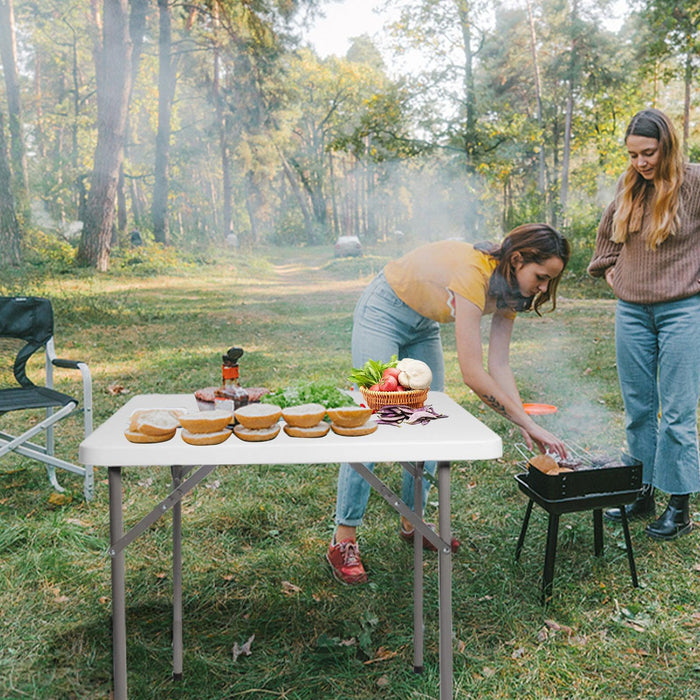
{"type": "Point", "coordinates": [383, 326]}
{"type": "Point", "coordinates": [658, 363]}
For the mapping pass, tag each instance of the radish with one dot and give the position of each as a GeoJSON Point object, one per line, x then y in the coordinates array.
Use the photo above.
{"type": "Point", "coordinates": [388, 383]}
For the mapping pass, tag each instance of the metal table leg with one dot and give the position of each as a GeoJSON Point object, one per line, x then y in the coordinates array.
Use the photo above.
{"type": "Point", "coordinates": [445, 581]}
{"type": "Point", "coordinates": [598, 532]}
{"type": "Point", "coordinates": [628, 545]}
{"type": "Point", "coordinates": [548, 575]}
{"type": "Point", "coordinates": [418, 622]}
{"type": "Point", "coordinates": [177, 577]}
{"type": "Point", "coordinates": [116, 531]}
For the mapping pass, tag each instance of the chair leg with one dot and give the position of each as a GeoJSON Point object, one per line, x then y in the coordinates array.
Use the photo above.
{"type": "Point", "coordinates": [51, 471]}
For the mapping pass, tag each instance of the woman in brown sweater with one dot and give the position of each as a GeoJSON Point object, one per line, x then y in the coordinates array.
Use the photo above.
{"type": "Point", "coordinates": [648, 250]}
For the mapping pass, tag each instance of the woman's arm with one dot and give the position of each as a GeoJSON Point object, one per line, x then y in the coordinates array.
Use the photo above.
{"type": "Point", "coordinates": [495, 387]}
{"type": "Point", "coordinates": [606, 252]}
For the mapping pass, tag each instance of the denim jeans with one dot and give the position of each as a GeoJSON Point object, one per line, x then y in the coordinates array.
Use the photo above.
{"type": "Point", "coordinates": [658, 363]}
{"type": "Point", "coordinates": [383, 326]}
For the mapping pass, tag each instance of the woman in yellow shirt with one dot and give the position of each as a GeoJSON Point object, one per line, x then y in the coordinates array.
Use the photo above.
{"type": "Point", "coordinates": [400, 314]}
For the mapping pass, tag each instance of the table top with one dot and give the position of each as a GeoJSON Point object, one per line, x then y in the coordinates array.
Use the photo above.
{"type": "Point", "coordinates": [459, 436]}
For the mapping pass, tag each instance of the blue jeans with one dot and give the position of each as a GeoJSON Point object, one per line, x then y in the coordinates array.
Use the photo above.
{"type": "Point", "coordinates": [383, 326]}
{"type": "Point", "coordinates": [658, 363]}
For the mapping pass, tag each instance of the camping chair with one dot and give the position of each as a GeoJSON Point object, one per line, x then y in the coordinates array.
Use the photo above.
{"type": "Point", "coordinates": [30, 321]}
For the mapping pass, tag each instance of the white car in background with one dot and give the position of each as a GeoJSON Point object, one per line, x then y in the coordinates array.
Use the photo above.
{"type": "Point", "coordinates": [348, 246]}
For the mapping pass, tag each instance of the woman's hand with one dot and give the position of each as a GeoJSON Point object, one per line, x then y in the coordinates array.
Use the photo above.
{"type": "Point", "coordinates": [609, 275]}
{"type": "Point", "coordinates": [545, 441]}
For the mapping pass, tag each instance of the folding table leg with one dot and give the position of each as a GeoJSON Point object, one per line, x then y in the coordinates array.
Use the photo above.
{"type": "Point", "coordinates": [598, 531]}
{"type": "Point", "coordinates": [445, 581]}
{"type": "Point", "coordinates": [418, 622]}
{"type": "Point", "coordinates": [523, 530]}
{"type": "Point", "coordinates": [116, 531]}
{"type": "Point", "coordinates": [177, 577]}
{"type": "Point", "coordinates": [628, 545]}
{"type": "Point", "coordinates": [548, 575]}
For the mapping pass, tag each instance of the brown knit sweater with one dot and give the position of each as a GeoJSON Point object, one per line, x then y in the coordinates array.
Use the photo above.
{"type": "Point", "coordinates": [645, 276]}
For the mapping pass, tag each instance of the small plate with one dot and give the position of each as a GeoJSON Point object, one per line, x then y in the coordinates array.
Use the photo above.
{"type": "Point", "coordinates": [539, 409]}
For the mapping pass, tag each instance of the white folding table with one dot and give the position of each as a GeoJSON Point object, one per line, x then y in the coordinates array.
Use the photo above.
{"type": "Point", "coordinates": [459, 436]}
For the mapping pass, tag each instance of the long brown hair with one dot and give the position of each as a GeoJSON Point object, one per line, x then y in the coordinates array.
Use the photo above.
{"type": "Point", "coordinates": [535, 243]}
{"type": "Point", "coordinates": [668, 178]}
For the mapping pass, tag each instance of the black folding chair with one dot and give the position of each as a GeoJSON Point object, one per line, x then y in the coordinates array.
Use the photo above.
{"type": "Point", "coordinates": [30, 321]}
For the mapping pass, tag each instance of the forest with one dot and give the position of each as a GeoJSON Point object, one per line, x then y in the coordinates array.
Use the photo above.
{"type": "Point", "coordinates": [206, 123]}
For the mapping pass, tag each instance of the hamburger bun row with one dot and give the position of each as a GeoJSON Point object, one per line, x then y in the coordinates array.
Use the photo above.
{"type": "Point", "coordinates": [254, 422]}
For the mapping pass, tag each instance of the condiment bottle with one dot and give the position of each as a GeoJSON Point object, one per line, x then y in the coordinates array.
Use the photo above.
{"type": "Point", "coordinates": [230, 383]}
{"type": "Point", "coordinates": [229, 367]}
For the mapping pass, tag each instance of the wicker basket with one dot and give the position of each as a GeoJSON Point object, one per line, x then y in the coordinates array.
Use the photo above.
{"type": "Point", "coordinates": [412, 397]}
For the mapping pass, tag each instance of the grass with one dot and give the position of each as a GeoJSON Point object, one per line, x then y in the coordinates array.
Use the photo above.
{"type": "Point", "coordinates": [254, 537]}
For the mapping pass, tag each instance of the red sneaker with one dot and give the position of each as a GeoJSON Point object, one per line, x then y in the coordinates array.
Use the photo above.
{"type": "Point", "coordinates": [407, 536]}
{"type": "Point", "coordinates": [344, 558]}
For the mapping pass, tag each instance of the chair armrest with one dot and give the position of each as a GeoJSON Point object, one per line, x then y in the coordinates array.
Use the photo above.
{"type": "Point", "coordinates": [87, 387]}
{"type": "Point", "coordinates": [65, 364]}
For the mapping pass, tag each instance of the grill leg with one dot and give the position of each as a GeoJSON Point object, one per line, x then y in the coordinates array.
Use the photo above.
{"type": "Point", "coordinates": [628, 545]}
{"type": "Point", "coordinates": [548, 575]}
{"type": "Point", "coordinates": [523, 530]}
{"type": "Point", "coordinates": [598, 532]}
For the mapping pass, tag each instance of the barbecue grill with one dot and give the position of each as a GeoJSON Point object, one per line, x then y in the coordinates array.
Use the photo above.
{"type": "Point", "coordinates": [589, 483]}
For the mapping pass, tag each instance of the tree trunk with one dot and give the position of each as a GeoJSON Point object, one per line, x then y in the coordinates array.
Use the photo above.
{"type": "Point", "coordinates": [8, 51]}
{"type": "Point", "coordinates": [688, 80]}
{"type": "Point", "coordinates": [222, 125]}
{"type": "Point", "coordinates": [166, 92]}
{"type": "Point", "coordinates": [538, 97]}
{"type": "Point", "coordinates": [299, 195]}
{"type": "Point", "coordinates": [469, 94]}
{"type": "Point", "coordinates": [9, 227]}
{"type": "Point", "coordinates": [566, 155]}
{"type": "Point", "coordinates": [137, 28]}
{"type": "Point", "coordinates": [113, 82]}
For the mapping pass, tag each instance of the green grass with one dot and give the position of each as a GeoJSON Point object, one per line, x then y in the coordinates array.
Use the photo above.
{"type": "Point", "coordinates": [250, 532]}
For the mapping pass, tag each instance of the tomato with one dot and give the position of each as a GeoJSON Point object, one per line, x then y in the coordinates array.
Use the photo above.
{"type": "Point", "coordinates": [389, 383]}
{"type": "Point", "coordinates": [391, 372]}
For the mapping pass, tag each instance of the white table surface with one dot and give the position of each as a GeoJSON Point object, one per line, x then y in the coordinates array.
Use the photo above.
{"type": "Point", "coordinates": [459, 436]}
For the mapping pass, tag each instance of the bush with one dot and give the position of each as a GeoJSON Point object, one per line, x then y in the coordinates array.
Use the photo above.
{"type": "Point", "coordinates": [47, 250]}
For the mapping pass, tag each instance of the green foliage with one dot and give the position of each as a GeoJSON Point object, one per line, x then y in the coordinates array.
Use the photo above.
{"type": "Point", "coordinates": [47, 250]}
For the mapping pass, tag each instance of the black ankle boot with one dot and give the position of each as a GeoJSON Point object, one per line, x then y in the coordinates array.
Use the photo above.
{"type": "Point", "coordinates": [674, 521]}
{"type": "Point", "coordinates": [642, 506]}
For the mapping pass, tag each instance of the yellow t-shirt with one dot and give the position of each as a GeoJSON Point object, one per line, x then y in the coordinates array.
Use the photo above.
{"type": "Point", "coordinates": [428, 278]}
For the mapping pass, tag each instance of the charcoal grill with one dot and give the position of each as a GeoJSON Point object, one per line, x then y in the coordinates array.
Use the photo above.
{"type": "Point", "coordinates": [594, 483]}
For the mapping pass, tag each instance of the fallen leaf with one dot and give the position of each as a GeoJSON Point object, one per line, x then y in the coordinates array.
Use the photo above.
{"type": "Point", "coordinates": [116, 389]}
{"type": "Point", "coordinates": [103, 600]}
{"type": "Point", "coordinates": [487, 672]}
{"type": "Point", "coordinates": [289, 588]}
{"type": "Point", "coordinates": [382, 654]}
{"type": "Point", "coordinates": [212, 484]}
{"type": "Point", "coordinates": [60, 499]}
{"type": "Point", "coordinates": [245, 649]}
{"type": "Point", "coordinates": [542, 635]}
{"type": "Point", "coordinates": [518, 653]}
{"type": "Point", "coordinates": [696, 567]}
{"type": "Point", "coordinates": [383, 682]}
